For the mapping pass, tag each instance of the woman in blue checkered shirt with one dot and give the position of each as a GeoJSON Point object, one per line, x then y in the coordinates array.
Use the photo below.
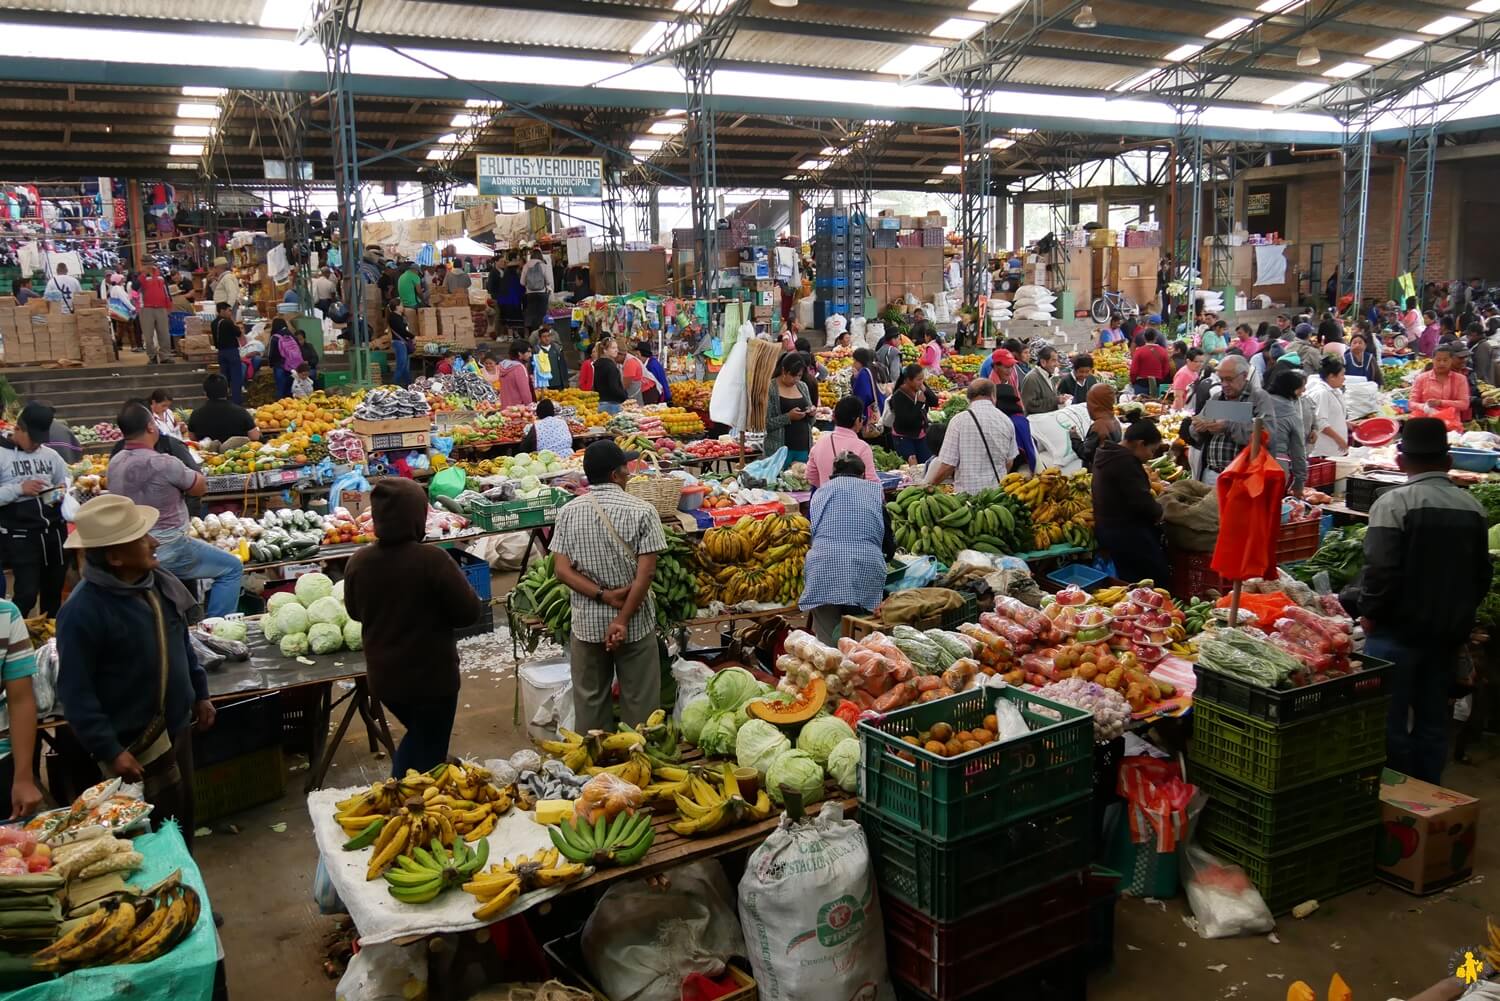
{"type": "Point", "coordinates": [845, 569]}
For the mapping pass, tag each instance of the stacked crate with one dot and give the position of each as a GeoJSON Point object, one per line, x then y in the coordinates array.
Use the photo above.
{"type": "Point", "coordinates": [839, 240]}
{"type": "Point", "coordinates": [1293, 780]}
{"type": "Point", "coordinates": [982, 858]}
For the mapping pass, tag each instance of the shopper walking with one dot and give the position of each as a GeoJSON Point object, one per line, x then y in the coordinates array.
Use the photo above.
{"type": "Point", "coordinates": [1127, 518]}
{"type": "Point", "coordinates": [845, 568]}
{"type": "Point", "coordinates": [283, 354]}
{"type": "Point", "coordinates": [63, 288]}
{"type": "Point", "coordinates": [131, 686]}
{"type": "Point", "coordinates": [1150, 366]}
{"type": "Point", "coordinates": [156, 304]}
{"type": "Point", "coordinates": [159, 481]}
{"type": "Point", "coordinates": [980, 444]}
{"type": "Point", "coordinates": [1038, 391]}
{"type": "Point", "coordinates": [411, 654]}
{"type": "Point", "coordinates": [888, 358]}
{"type": "Point", "coordinates": [910, 402]}
{"type": "Point", "coordinates": [515, 376]}
{"type": "Point", "coordinates": [552, 362]}
{"type": "Point", "coordinates": [605, 549]}
{"type": "Point", "coordinates": [325, 291]}
{"type": "Point", "coordinates": [536, 281]}
{"type": "Point", "coordinates": [848, 423]}
{"type": "Point", "coordinates": [1427, 568]}
{"type": "Point", "coordinates": [1103, 425]}
{"type": "Point", "coordinates": [607, 380]}
{"type": "Point", "coordinates": [865, 386]}
{"type": "Point", "coordinates": [33, 481]}
{"type": "Point", "coordinates": [409, 286]}
{"type": "Point", "coordinates": [401, 344]}
{"type": "Point", "coordinates": [224, 285]}
{"type": "Point", "coordinates": [788, 410]}
{"type": "Point", "coordinates": [1330, 416]}
{"type": "Point", "coordinates": [228, 339]}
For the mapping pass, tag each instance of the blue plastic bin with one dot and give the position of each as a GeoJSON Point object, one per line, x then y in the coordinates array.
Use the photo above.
{"type": "Point", "coordinates": [176, 323]}
{"type": "Point", "coordinates": [1076, 575]}
{"type": "Point", "coordinates": [477, 570]}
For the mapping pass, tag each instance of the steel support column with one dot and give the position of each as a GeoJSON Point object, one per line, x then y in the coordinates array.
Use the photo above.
{"type": "Point", "coordinates": [1416, 226]}
{"type": "Point", "coordinates": [1354, 204]}
{"type": "Point", "coordinates": [1221, 259]}
{"type": "Point", "coordinates": [974, 186]}
{"type": "Point", "coordinates": [614, 230]}
{"type": "Point", "coordinates": [1187, 223]}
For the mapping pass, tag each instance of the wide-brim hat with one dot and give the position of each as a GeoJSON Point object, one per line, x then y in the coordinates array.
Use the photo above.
{"type": "Point", "coordinates": [110, 520]}
{"type": "Point", "coordinates": [1423, 438]}
{"type": "Point", "coordinates": [221, 262]}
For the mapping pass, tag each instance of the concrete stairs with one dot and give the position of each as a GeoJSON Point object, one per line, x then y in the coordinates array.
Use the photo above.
{"type": "Point", "coordinates": [91, 395]}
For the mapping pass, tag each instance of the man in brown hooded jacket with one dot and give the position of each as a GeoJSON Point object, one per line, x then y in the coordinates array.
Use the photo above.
{"type": "Point", "coordinates": [410, 597]}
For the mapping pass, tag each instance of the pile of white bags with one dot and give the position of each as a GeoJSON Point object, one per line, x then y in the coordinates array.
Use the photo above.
{"type": "Point", "coordinates": [1212, 301]}
{"type": "Point", "coordinates": [1000, 310]}
{"type": "Point", "coordinates": [1033, 302]}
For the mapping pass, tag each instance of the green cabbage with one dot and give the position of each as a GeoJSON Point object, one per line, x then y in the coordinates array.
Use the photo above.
{"type": "Point", "coordinates": [278, 599]}
{"type": "Point", "coordinates": [732, 688]}
{"type": "Point", "coordinates": [797, 771]}
{"type": "Point", "coordinates": [821, 735]}
{"type": "Point", "coordinates": [327, 610]}
{"type": "Point", "coordinates": [717, 738]}
{"type": "Point", "coordinates": [230, 631]}
{"type": "Point", "coordinates": [325, 637]}
{"type": "Point", "coordinates": [292, 618]}
{"type": "Point", "coordinates": [694, 714]}
{"type": "Point", "coordinates": [758, 743]}
{"type": "Point", "coordinates": [269, 629]}
{"type": "Point", "coordinates": [354, 635]}
{"type": "Point", "coordinates": [338, 591]}
{"type": "Point", "coordinates": [312, 586]}
{"type": "Point", "coordinates": [294, 644]}
{"type": "Point", "coordinates": [843, 764]}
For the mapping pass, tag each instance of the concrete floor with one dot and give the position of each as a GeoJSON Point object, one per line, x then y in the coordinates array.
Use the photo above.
{"type": "Point", "coordinates": [1385, 943]}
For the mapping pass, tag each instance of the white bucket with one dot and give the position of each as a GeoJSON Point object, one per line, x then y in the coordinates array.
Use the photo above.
{"type": "Point", "coordinates": [546, 697]}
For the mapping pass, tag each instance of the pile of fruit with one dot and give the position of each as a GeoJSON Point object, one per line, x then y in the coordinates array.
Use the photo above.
{"type": "Point", "coordinates": [247, 458]}
{"type": "Point", "coordinates": [521, 465]}
{"type": "Point", "coordinates": [692, 394]}
{"type": "Point", "coordinates": [284, 534]}
{"type": "Point", "coordinates": [310, 618]}
{"type": "Point", "coordinates": [423, 872]}
{"type": "Point", "coordinates": [541, 595]}
{"type": "Point", "coordinates": [933, 522]}
{"type": "Point", "coordinates": [1062, 507]}
{"type": "Point", "coordinates": [500, 428]}
{"type": "Point", "coordinates": [101, 433]}
{"type": "Point", "coordinates": [504, 883]}
{"type": "Point", "coordinates": [754, 560]}
{"type": "Point", "coordinates": [712, 448]}
{"type": "Point", "coordinates": [581, 399]}
{"type": "Point", "coordinates": [315, 414]}
{"type": "Point", "coordinates": [122, 929]}
{"type": "Point", "coordinates": [1112, 363]}
{"type": "Point", "coordinates": [946, 742]}
{"type": "Point", "coordinates": [1146, 620]}
{"type": "Point", "coordinates": [708, 806]}
{"type": "Point", "coordinates": [651, 450]}
{"type": "Point", "coordinates": [1163, 470]}
{"type": "Point", "coordinates": [674, 589]}
{"type": "Point", "coordinates": [886, 460]}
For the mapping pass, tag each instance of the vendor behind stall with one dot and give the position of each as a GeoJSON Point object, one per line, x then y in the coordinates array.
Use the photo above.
{"type": "Point", "coordinates": [1127, 518]}
{"type": "Point", "coordinates": [845, 568]}
{"type": "Point", "coordinates": [1331, 417]}
{"type": "Point", "coordinates": [548, 433]}
{"type": "Point", "coordinates": [1442, 386]}
{"type": "Point", "coordinates": [1103, 426]}
{"type": "Point", "coordinates": [409, 598]}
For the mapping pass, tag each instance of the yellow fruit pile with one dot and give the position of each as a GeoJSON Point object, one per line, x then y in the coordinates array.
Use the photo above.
{"type": "Point", "coordinates": [679, 422]}
{"type": "Point", "coordinates": [315, 414]}
{"type": "Point", "coordinates": [692, 394]}
{"type": "Point", "coordinates": [1113, 361]}
{"type": "Point", "coordinates": [572, 398]}
{"type": "Point", "coordinates": [1062, 507]}
{"type": "Point", "coordinates": [754, 560]}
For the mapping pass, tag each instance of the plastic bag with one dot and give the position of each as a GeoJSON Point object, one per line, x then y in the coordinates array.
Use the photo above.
{"type": "Point", "coordinates": [449, 482]}
{"type": "Point", "coordinates": [811, 915]}
{"type": "Point", "coordinates": [385, 971]}
{"type": "Point", "coordinates": [1224, 901]}
{"type": "Point", "coordinates": [920, 572]}
{"type": "Point", "coordinates": [324, 893]}
{"type": "Point", "coordinates": [1009, 719]}
{"type": "Point", "coordinates": [607, 795]}
{"type": "Point", "coordinates": [642, 940]}
{"type": "Point", "coordinates": [691, 677]}
{"type": "Point", "coordinates": [768, 470]}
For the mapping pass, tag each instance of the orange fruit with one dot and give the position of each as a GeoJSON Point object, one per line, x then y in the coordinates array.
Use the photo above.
{"type": "Point", "coordinates": [937, 747]}
{"type": "Point", "coordinates": [983, 736]}
{"type": "Point", "coordinates": [990, 723]}
{"type": "Point", "coordinates": [942, 732]}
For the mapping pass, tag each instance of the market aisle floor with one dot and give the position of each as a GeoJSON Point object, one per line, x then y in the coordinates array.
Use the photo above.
{"type": "Point", "coordinates": [1385, 943]}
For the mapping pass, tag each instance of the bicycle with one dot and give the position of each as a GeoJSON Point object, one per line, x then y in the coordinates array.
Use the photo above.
{"type": "Point", "coordinates": [1112, 302]}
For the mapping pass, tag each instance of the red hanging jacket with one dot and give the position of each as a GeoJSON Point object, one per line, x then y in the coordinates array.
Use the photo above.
{"type": "Point", "coordinates": [1250, 492]}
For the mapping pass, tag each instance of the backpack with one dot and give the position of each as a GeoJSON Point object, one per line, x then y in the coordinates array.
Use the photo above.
{"type": "Point", "coordinates": [291, 354]}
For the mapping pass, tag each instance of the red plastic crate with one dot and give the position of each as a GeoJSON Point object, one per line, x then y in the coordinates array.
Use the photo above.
{"type": "Point", "coordinates": [1296, 540]}
{"type": "Point", "coordinates": [1320, 471]}
{"type": "Point", "coordinates": [1191, 576]}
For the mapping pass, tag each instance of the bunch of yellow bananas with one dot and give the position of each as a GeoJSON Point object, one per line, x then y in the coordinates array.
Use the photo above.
{"type": "Point", "coordinates": [584, 753]}
{"type": "Point", "coordinates": [753, 560]}
{"type": "Point", "coordinates": [458, 794]}
{"type": "Point", "coordinates": [708, 807]}
{"type": "Point", "coordinates": [126, 929]}
{"type": "Point", "coordinates": [635, 769]}
{"type": "Point", "coordinates": [505, 882]}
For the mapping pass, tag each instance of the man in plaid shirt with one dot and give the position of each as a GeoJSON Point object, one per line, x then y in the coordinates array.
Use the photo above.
{"type": "Point", "coordinates": [605, 550]}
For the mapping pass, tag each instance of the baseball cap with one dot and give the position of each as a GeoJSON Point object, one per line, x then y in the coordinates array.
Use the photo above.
{"type": "Point", "coordinates": [1003, 357]}
{"type": "Point", "coordinates": [602, 458]}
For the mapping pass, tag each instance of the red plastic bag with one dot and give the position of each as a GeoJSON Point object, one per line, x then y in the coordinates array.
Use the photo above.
{"type": "Point", "coordinates": [1448, 416]}
{"type": "Point", "coordinates": [1156, 799]}
{"type": "Point", "coordinates": [1250, 492]}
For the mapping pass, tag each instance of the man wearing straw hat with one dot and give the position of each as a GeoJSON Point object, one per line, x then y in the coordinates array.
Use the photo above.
{"type": "Point", "coordinates": [131, 686]}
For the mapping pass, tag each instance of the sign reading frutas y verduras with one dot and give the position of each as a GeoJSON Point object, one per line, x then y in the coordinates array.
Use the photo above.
{"type": "Point", "coordinates": [517, 176]}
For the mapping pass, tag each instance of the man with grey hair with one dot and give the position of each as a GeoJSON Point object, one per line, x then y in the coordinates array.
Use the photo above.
{"type": "Point", "coordinates": [1219, 441]}
{"type": "Point", "coordinates": [980, 444]}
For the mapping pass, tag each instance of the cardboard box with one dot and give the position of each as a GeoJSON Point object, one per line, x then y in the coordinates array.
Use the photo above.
{"type": "Point", "coordinates": [1427, 834]}
{"type": "Point", "coordinates": [428, 327]}
{"type": "Point", "coordinates": [20, 348]}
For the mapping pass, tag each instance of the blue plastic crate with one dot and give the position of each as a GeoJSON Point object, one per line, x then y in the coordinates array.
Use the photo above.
{"type": "Point", "coordinates": [176, 323]}
{"type": "Point", "coordinates": [477, 570]}
{"type": "Point", "coordinates": [1076, 575]}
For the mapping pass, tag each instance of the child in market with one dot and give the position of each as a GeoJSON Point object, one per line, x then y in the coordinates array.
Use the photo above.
{"type": "Point", "coordinates": [302, 385]}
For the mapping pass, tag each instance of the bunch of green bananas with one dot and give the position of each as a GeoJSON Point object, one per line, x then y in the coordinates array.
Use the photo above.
{"type": "Point", "coordinates": [621, 841]}
{"type": "Point", "coordinates": [674, 588]}
{"type": "Point", "coordinates": [540, 593]}
{"type": "Point", "coordinates": [422, 875]}
{"type": "Point", "coordinates": [1196, 615]}
{"type": "Point", "coordinates": [930, 521]}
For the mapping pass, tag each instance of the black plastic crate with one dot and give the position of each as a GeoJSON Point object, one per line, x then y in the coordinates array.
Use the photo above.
{"type": "Point", "coordinates": [239, 728]}
{"type": "Point", "coordinates": [1284, 706]}
{"type": "Point", "coordinates": [486, 624]}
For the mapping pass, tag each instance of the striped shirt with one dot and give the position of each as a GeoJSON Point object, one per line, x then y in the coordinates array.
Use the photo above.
{"type": "Point", "coordinates": [592, 549]}
{"type": "Point", "coordinates": [980, 446]}
{"type": "Point", "coordinates": [19, 660]}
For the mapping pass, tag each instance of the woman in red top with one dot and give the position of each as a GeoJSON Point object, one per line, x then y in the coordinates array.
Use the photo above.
{"type": "Point", "coordinates": [586, 370]}
{"type": "Point", "coordinates": [1442, 385]}
{"type": "Point", "coordinates": [1149, 362]}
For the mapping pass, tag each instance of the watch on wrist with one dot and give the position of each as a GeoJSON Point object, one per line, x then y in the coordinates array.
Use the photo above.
{"type": "Point", "coordinates": [599, 594]}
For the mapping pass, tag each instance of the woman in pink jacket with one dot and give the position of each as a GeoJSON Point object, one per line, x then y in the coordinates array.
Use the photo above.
{"type": "Point", "coordinates": [515, 376]}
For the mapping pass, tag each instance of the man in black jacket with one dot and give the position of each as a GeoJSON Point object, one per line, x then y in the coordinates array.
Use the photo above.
{"type": "Point", "coordinates": [1427, 567]}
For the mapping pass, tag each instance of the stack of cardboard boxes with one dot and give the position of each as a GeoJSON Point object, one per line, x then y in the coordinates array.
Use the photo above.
{"type": "Point", "coordinates": [456, 324]}
{"type": "Point", "coordinates": [40, 332]}
{"type": "Point", "coordinates": [197, 343]}
{"type": "Point", "coordinates": [96, 337]}
{"type": "Point", "coordinates": [893, 273]}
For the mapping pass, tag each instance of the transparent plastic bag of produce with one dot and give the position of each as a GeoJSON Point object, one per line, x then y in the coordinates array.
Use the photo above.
{"type": "Point", "coordinates": [692, 680]}
{"type": "Point", "coordinates": [1224, 901]}
{"type": "Point", "coordinates": [608, 795]}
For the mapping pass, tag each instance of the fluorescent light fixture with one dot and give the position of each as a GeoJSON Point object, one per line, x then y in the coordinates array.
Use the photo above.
{"type": "Point", "coordinates": [666, 128]}
{"type": "Point", "coordinates": [1180, 53]}
{"type": "Point", "coordinates": [197, 111]}
{"type": "Point", "coordinates": [1231, 27]}
{"type": "Point", "coordinates": [1344, 71]}
{"type": "Point", "coordinates": [192, 131]}
{"type": "Point", "coordinates": [466, 121]}
{"type": "Point", "coordinates": [447, 139]}
{"type": "Point", "coordinates": [179, 165]}
{"type": "Point", "coordinates": [911, 59]}
{"type": "Point", "coordinates": [934, 180]}
{"type": "Point", "coordinates": [476, 102]}
{"type": "Point", "coordinates": [646, 145]}
{"type": "Point", "coordinates": [1297, 92]}
{"type": "Point", "coordinates": [1000, 142]}
{"type": "Point", "coordinates": [284, 13]}
{"type": "Point", "coordinates": [813, 165]}
{"type": "Point", "coordinates": [1309, 55]}
{"type": "Point", "coordinates": [1394, 48]}
{"type": "Point", "coordinates": [1485, 6]}
{"type": "Point", "coordinates": [438, 154]}
{"type": "Point", "coordinates": [1279, 6]}
{"type": "Point", "coordinates": [649, 38]}
{"type": "Point", "coordinates": [958, 28]}
{"type": "Point", "coordinates": [203, 92]}
{"type": "Point", "coordinates": [953, 168]}
{"type": "Point", "coordinates": [994, 6]}
{"type": "Point", "coordinates": [828, 151]}
{"type": "Point", "coordinates": [1020, 131]}
{"type": "Point", "coordinates": [185, 149]}
{"type": "Point", "coordinates": [671, 112]}
{"type": "Point", "coordinates": [1445, 25]}
{"type": "Point", "coordinates": [791, 177]}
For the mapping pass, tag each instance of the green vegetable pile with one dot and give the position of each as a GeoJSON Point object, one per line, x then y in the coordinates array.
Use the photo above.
{"type": "Point", "coordinates": [886, 460]}
{"type": "Point", "coordinates": [1488, 494]}
{"type": "Point", "coordinates": [1236, 652]}
{"type": "Point", "coordinates": [1341, 555]}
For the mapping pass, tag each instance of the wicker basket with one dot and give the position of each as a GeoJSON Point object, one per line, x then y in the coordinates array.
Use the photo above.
{"type": "Point", "coordinates": [661, 492]}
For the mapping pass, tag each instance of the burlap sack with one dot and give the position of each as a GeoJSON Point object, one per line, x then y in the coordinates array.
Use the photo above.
{"type": "Point", "coordinates": [1190, 516]}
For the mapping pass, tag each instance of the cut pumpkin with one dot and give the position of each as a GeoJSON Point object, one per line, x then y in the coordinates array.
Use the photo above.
{"type": "Point", "coordinates": [1300, 991]}
{"type": "Point", "coordinates": [1338, 990]}
{"type": "Point", "coordinates": [808, 704]}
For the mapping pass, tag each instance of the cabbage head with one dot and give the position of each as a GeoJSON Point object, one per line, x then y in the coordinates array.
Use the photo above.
{"type": "Point", "coordinates": [312, 586]}
{"type": "Point", "coordinates": [230, 631]}
{"type": "Point", "coordinates": [338, 591]}
{"type": "Point", "coordinates": [694, 714]}
{"type": "Point", "coordinates": [820, 735]}
{"type": "Point", "coordinates": [269, 629]}
{"type": "Point", "coordinates": [798, 771]}
{"type": "Point", "coordinates": [294, 644]}
{"type": "Point", "coordinates": [757, 745]}
{"type": "Point", "coordinates": [292, 619]}
{"type": "Point", "coordinates": [843, 764]}
{"type": "Point", "coordinates": [732, 688]}
{"type": "Point", "coordinates": [327, 610]}
{"type": "Point", "coordinates": [717, 738]}
{"type": "Point", "coordinates": [274, 603]}
{"type": "Point", "coordinates": [354, 635]}
{"type": "Point", "coordinates": [325, 637]}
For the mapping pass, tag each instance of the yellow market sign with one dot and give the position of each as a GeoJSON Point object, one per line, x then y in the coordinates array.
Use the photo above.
{"type": "Point", "coordinates": [521, 176]}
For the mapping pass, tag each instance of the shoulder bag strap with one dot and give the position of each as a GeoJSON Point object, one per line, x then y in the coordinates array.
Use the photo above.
{"type": "Point", "coordinates": [987, 453]}
{"type": "Point", "coordinates": [610, 525]}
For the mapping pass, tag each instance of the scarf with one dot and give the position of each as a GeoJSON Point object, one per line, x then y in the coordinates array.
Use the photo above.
{"type": "Point", "coordinates": [169, 588]}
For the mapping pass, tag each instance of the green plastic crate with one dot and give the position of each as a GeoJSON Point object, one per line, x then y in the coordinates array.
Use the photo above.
{"type": "Point", "coordinates": [948, 880]}
{"type": "Point", "coordinates": [500, 516]}
{"type": "Point", "coordinates": [1317, 871]}
{"type": "Point", "coordinates": [1291, 705]}
{"type": "Point", "coordinates": [952, 798]}
{"type": "Point", "coordinates": [238, 783]}
{"type": "Point", "coordinates": [1274, 758]}
{"type": "Point", "coordinates": [1272, 822]}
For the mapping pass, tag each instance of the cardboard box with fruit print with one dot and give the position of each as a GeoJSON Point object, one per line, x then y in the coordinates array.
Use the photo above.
{"type": "Point", "coordinates": [1427, 834]}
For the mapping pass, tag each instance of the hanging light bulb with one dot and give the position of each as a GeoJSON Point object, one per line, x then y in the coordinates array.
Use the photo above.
{"type": "Point", "coordinates": [1309, 55]}
{"type": "Point", "coordinates": [1085, 19]}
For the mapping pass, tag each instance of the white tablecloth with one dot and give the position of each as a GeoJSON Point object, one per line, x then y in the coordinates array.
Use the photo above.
{"type": "Point", "coordinates": [377, 915]}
